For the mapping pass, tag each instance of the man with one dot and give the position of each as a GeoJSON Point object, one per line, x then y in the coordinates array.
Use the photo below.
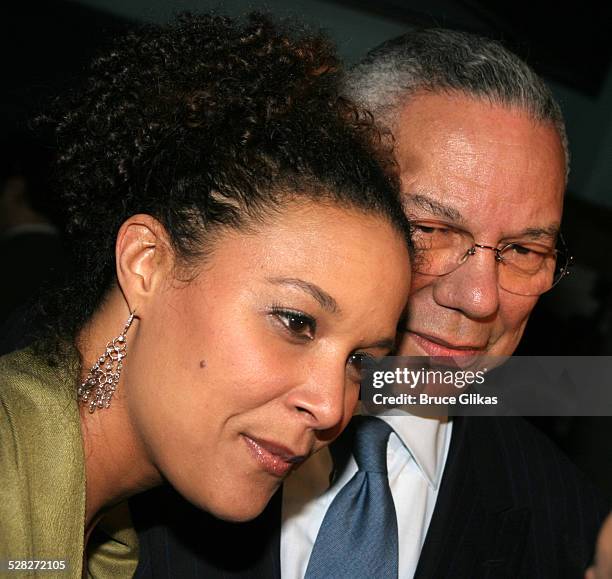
{"type": "Point", "coordinates": [482, 153]}
{"type": "Point", "coordinates": [602, 566]}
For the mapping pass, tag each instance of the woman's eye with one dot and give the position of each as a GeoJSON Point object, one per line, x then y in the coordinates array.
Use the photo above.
{"type": "Point", "coordinates": [297, 323]}
{"type": "Point", "coordinates": [355, 365]}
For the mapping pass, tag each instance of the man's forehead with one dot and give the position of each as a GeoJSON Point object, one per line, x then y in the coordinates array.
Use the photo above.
{"type": "Point", "coordinates": [458, 121]}
{"type": "Point", "coordinates": [476, 164]}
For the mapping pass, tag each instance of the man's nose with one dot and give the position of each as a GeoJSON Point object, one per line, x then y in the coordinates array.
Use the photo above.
{"type": "Point", "coordinates": [321, 398]}
{"type": "Point", "coordinates": [472, 288]}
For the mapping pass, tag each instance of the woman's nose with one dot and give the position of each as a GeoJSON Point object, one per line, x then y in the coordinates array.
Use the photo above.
{"type": "Point", "coordinates": [323, 397]}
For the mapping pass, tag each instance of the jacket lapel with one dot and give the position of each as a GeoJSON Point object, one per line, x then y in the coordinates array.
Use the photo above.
{"type": "Point", "coordinates": [476, 529]}
{"type": "Point", "coordinates": [179, 541]}
{"type": "Point", "coordinates": [266, 530]}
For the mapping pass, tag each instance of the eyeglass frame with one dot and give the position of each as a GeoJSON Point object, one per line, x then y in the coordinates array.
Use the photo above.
{"type": "Point", "coordinates": [564, 270]}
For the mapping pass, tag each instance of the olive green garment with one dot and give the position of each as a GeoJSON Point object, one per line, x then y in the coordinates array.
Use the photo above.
{"type": "Point", "coordinates": [42, 477]}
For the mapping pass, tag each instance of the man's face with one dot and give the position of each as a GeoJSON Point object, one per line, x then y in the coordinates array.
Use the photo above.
{"type": "Point", "coordinates": [602, 566]}
{"type": "Point", "coordinates": [493, 172]}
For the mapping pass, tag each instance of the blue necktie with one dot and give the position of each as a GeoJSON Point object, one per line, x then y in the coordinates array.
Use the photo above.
{"type": "Point", "coordinates": [358, 536]}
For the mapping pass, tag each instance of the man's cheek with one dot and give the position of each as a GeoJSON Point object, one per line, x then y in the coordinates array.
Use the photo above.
{"type": "Point", "coordinates": [514, 311]}
{"type": "Point", "coordinates": [419, 281]}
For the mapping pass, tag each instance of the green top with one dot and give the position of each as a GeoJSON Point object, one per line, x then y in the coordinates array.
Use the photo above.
{"type": "Point", "coordinates": [42, 477]}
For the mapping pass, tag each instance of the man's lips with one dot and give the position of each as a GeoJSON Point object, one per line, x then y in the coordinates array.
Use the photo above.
{"type": "Point", "coordinates": [435, 346]}
{"type": "Point", "coordinates": [273, 457]}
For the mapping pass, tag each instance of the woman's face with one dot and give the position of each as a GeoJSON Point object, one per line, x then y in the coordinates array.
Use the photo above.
{"type": "Point", "coordinates": [236, 377]}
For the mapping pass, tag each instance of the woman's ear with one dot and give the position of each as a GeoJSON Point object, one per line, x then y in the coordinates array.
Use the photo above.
{"type": "Point", "coordinates": [143, 257]}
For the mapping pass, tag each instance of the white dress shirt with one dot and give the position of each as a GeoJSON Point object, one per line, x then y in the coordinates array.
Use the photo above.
{"type": "Point", "coordinates": [416, 455]}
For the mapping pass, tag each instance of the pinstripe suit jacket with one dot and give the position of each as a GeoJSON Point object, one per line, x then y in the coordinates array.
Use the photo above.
{"type": "Point", "coordinates": [510, 505]}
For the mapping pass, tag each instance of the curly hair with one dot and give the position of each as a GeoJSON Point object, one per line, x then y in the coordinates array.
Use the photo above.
{"type": "Point", "coordinates": [206, 123]}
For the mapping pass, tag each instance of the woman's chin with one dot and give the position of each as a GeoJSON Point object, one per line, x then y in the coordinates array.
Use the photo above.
{"type": "Point", "coordinates": [238, 511]}
{"type": "Point", "coordinates": [232, 507]}
{"type": "Point", "coordinates": [234, 515]}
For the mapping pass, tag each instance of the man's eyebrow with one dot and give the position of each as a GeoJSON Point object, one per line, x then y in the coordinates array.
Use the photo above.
{"type": "Point", "coordinates": [446, 211]}
{"type": "Point", "coordinates": [550, 232]}
{"type": "Point", "coordinates": [321, 296]}
{"type": "Point", "coordinates": [434, 207]}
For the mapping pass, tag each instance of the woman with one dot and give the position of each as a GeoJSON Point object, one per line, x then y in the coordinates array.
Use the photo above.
{"type": "Point", "coordinates": [230, 206]}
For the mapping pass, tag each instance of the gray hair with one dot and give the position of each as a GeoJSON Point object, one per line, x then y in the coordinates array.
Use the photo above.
{"type": "Point", "coordinates": [438, 60]}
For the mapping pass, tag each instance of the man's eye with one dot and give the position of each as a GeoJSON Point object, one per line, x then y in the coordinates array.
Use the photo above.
{"type": "Point", "coordinates": [297, 323]}
{"type": "Point", "coordinates": [520, 249]}
{"type": "Point", "coordinates": [422, 229]}
{"type": "Point", "coordinates": [429, 228]}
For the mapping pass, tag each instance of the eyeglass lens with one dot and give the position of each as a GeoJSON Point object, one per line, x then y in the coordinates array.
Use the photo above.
{"type": "Point", "coordinates": [523, 268]}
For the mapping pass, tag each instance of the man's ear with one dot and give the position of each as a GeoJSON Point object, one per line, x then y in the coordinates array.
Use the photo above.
{"type": "Point", "coordinates": [143, 258]}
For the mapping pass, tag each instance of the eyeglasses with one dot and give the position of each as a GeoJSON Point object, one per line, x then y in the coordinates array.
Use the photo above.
{"type": "Point", "coordinates": [525, 268]}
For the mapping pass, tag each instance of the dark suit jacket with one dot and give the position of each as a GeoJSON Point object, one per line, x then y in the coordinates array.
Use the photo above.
{"type": "Point", "coordinates": [510, 505]}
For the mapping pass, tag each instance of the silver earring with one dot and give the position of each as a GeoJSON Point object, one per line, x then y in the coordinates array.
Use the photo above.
{"type": "Point", "coordinates": [101, 382]}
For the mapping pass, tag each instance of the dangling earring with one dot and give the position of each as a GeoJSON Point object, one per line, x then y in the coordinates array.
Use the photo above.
{"type": "Point", "coordinates": [102, 380]}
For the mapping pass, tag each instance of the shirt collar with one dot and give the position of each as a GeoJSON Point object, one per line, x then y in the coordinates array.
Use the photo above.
{"type": "Point", "coordinates": [426, 439]}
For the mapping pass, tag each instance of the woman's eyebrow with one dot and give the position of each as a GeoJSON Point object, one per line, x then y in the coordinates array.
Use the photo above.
{"type": "Point", "coordinates": [432, 206]}
{"type": "Point", "coordinates": [383, 344]}
{"type": "Point", "coordinates": [326, 301]}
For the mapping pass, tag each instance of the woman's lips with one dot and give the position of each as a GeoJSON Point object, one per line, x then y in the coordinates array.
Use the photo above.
{"type": "Point", "coordinates": [437, 348]}
{"type": "Point", "coordinates": [273, 458]}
